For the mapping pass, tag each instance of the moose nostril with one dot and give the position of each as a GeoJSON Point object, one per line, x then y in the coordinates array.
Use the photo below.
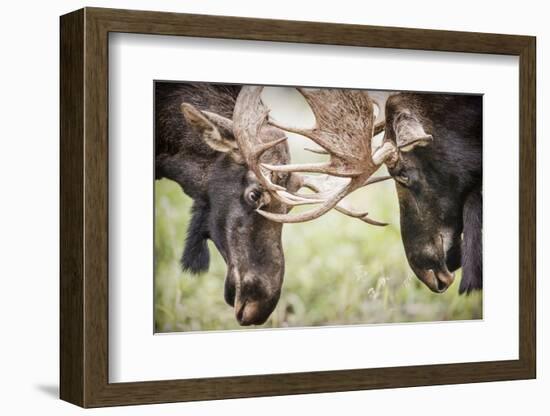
{"type": "Point", "coordinates": [441, 285]}
{"type": "Point", "coordinates": [443, 279]}
{"type": "Point", "coordinates": [240, 311]}
{"type": "Point", "coordinates": [251, 313]}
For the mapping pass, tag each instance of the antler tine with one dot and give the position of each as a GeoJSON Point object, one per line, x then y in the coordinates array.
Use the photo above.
{"type": "Point", "coordinates": [323, 167]}
{"type": "Point", "coordinates": [295, 200]}
{"type": "Point", "coordinates": [313, 214]}
{"type": "Point", "coordinates": [317, 151]}
{"type": "Point", "coordinates": [363, 216]}
{"type": "Point", "coordinates": [333, 200]}
{"type": "Point", "coordinates": [316, 183]}
{"type": "Point", "coordinates": [386, 153]}
{"type": "Point", "coordinates": [260, 149]}
{"type": "Point", "coordinates": [379, 127]}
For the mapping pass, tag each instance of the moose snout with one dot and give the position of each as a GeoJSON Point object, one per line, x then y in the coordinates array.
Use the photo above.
{"type": "Point", "coordinates": [252, 298]}
{"type": "Point", "coordinates": [434, 261]}
{"type": "Point", "coordinates": [438, 281]}
{"type": "Point", "coordinates": [250, 313]}
{"type": "Point", "coordinates": [437, 277]}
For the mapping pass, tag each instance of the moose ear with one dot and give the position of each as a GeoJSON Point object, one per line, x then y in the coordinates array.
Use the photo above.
{"type": "Point", "coordinates": [409, 133]}
{"type": "Point", "coordinates": [196, 257]}
{"type": "Point", "coordinates": [216, 130]}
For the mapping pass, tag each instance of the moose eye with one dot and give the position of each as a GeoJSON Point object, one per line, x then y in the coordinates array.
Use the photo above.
{"type": "Point", "coordinates": [253, 196]}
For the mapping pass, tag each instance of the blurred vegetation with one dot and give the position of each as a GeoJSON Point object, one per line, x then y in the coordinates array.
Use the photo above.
{"type": "Point", "coordinates": [339, 270]}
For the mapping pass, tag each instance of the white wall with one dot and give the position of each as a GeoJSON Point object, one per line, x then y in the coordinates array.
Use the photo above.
{"type": "Point", "coordinates": [29, 207]}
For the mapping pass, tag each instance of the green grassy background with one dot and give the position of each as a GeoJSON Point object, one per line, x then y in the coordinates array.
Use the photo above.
{"type": "Point", "coordinates": [339, 270]}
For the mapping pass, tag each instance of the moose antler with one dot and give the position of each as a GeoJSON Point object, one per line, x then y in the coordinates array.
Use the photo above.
{"type": "Point", "coordinates": [344, 129]}
{"type": "Point", "coordinates": [254, 136]}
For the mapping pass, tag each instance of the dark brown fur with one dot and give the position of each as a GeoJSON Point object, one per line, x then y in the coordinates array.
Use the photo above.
{"type": "Point", "coordinates": [224, 192]}
{"type": "Point", "coordinates": [440, 185]}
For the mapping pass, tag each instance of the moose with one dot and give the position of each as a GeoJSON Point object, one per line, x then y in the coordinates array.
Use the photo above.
{"type": "Point", "coordinates": [197, 133]}
{"type": "Point", "coordinates": [438, 177]}
{"type": "Point", "coordinates": [220, 145]}
{"type": "Point", "coordinates": [432, 148]}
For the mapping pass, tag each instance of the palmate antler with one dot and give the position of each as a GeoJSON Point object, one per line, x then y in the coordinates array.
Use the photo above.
{"type": "Point", "coordinates": [344, 129]}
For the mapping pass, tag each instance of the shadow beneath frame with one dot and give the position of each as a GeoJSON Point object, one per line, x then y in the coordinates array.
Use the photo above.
{"type": "Point", "coordinates": [51, 390]}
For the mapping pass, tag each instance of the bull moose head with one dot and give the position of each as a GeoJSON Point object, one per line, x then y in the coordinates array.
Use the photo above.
{"type": "Point", "coordinates": [224, 211]}
{"type": "Point", "coordinates": [437, 171]}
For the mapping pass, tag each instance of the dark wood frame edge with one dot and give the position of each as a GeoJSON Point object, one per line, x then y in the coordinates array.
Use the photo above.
{"type": "Point", "coordinates": [84, 207]}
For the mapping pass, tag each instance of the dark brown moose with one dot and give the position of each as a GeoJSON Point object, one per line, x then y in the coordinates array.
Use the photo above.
{"type": "Point", "coordinates": [438, 176]}
{"type": "Point", "coordinates": [195, 146]}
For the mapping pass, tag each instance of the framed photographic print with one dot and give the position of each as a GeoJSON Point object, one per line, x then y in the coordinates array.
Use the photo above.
{"type": "Point", "coordinates": [262, 207]}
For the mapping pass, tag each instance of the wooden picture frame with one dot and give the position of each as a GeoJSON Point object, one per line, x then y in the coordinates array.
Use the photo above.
{"type": "Point", "coordinates": [84, 207]}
